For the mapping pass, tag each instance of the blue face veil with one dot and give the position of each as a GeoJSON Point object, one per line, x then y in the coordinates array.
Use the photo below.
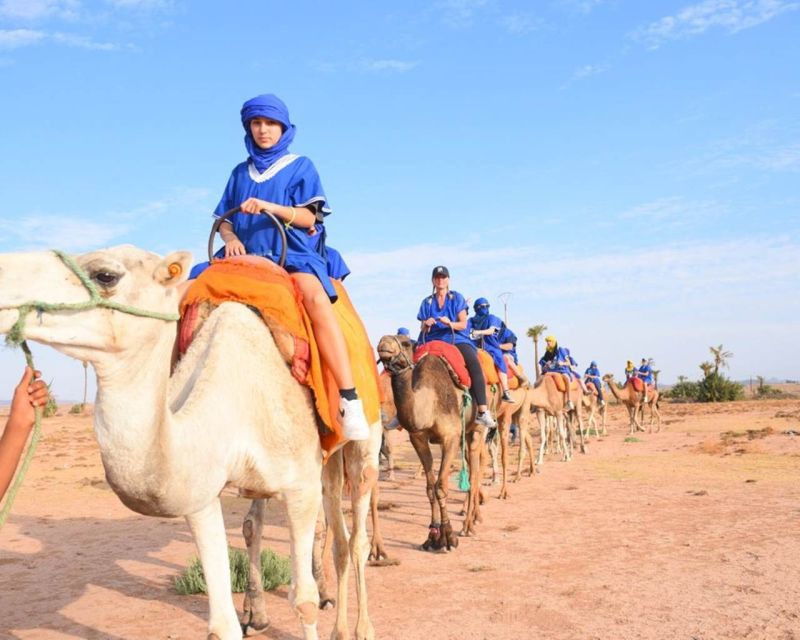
{"type": "Point", "coordinates": [272, 107]}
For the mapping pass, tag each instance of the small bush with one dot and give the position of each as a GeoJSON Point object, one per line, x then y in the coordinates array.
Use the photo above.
{"type": "Point", "coordinates": [76, 409]}
{"type": "Point", "coordinates": [275, 571]}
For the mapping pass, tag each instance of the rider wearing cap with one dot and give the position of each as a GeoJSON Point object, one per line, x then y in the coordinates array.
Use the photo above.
{"type": "Point", "coordinates": [443, 316]}
{"type": "Point", "coordinates": [484, 329]}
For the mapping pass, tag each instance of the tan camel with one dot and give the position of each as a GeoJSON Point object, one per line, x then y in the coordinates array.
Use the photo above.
{"type": "Point", "coordinates": [633, 401]}
{"type": "Point", "coordinates": [429, 406]}
{"type": "Point", "coordinates": [545, 399]}
{"type": "Point", "coordinates": [230, 415]}
{"type": "Point", "coordinates": [508, 413]}
{"type": "Point", "coordinates": [591, 403]}
{"type": "Point", "coordinates": [389, 419]}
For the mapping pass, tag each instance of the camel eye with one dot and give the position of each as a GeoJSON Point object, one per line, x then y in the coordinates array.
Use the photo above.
{"type": "Point", "coordinates": [105, 278]}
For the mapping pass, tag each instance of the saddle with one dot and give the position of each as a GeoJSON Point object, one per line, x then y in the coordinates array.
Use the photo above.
{"type": "Point", "coordinates": [491, 372]}
{"type": "Point", "coordinates": [271, 293]}
{"type": "Point", "coordinates": [451, 357]}
{"type": "Point", "coordinates": [563, 381]}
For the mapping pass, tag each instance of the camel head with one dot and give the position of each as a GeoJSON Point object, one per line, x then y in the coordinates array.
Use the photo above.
{"type": "Point", "coordinates": [609, 378]}
{"type": "Point", "coordinates": [396, 353]}
{"type": "Point", "coordinates": [35, 287]}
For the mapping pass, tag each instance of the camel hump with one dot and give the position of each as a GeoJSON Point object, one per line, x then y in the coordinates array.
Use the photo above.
{"type": "Point", "coordinates": [451, 357]}
{"type": "Point", "coordinates": [271, 292]}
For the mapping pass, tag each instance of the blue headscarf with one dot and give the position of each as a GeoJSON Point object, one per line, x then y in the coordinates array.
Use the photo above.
{"type": "Point", "coordinates": [272, 107]}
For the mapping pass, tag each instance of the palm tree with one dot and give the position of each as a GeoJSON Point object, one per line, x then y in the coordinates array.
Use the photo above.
{"type": "Point", "coordinates": [706, 368]}
{"type": "Point", "coordinates": [682, 379]}
{"type": "Point", "coordinates": [721, 357]}
{"type": "Point", "coordinates": [655, 377]}
{"type": "Point", "coordinates": [535, 333]}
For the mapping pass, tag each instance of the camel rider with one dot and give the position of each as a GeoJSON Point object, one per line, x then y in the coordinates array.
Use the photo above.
{"type": "Point", "coordinates": [558, 360]}
{"type": "Point", "coordinates": [484, 329]}
{"type": "Point", "coordinates": [592, 377]}
{"type": "Point", "coordinates": [630, 370]}
{"type": "Point", "coordinates": [645, 374]}
{"type": "Point", "coordinates": [508, 343]}
{"type": "Point", "coordinates": [443, 316]}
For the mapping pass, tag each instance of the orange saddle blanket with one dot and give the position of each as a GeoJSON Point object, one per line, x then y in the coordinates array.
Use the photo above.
{"type": "Point", "coordinates": [270, 290]}
{"type": "Point", "coordinates": [490, 370]}
{"type": "Point", "coordinates": [562, 381]}
{"type": "Point", "coordinates": [450, 354]}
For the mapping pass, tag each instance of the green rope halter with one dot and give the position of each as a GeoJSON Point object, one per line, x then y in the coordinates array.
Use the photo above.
{"type": "Point", "coordinates": [463, 476]}
{"type": "Point", "coordinates": [16, 337]}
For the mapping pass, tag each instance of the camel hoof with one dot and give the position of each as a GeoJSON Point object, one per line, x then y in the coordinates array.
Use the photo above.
{"type": "Point", "coordinates": [327, 603]}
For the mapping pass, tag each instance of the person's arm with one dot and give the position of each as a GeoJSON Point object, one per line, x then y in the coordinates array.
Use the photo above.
{"type": "Point", "coordinates": [301, 217]}
{"type": "Point", "coordinates": [28, 394]}
{"type": "Point", "coordinates": [233, 246]}
{"type": "Point", "coordinates": [459, 324]}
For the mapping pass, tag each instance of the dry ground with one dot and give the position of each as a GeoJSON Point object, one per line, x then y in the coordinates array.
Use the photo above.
{"type": "Point", "coordinates": [693, 533]}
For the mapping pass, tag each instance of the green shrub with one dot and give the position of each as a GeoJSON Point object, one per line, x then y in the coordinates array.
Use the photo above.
{"type": "Point", "coordinates": [275, 571]}
{"type": "Point", "coordinates": [76, 409]}
{"type": "Point", "coordinates": [717, 388]}
{"type": "Point", "coordinates": [684, 392]}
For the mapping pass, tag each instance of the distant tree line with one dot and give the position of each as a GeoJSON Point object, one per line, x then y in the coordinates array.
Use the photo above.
{"type": "Point", "coordinates": [713, 387]}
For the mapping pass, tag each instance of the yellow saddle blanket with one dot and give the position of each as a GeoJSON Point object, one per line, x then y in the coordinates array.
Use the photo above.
{"type": "Point", "coordinates": [269, 289]}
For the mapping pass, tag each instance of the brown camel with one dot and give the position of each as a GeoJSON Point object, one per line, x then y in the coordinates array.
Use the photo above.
{"type": "Point", "coordinates": [508, 413]}
{"type": "Point", "coordinates": [429, 406]}
{"type": "Point", "coordinates": [634, 403]}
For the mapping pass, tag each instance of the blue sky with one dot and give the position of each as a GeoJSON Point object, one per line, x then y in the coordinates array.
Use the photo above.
{"type": "Point", "coordinates": [629, 171]}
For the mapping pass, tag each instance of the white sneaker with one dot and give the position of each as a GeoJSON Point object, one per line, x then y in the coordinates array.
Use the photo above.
{"type": "Point", "coordinates": [354, 422]}
{"type": "Point", "coordinates": [486, 420]}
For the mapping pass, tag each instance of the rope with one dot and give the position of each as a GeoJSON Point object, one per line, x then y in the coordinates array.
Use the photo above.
{"type": "Point", "coordinates": [16, 337]}
{"type": "Point", "coordinates": [463, 476]}
{"type": "Point", "coordinates": [37, 432]}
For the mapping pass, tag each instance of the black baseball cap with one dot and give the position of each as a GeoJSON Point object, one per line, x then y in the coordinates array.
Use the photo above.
{"type": "Point", "coordinates": [440, 271]}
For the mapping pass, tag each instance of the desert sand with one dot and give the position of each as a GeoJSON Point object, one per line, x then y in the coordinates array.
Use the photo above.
{"type": "Point", "coordinates": [691, 533]}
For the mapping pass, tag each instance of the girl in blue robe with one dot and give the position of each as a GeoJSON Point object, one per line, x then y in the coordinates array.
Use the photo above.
{"type": "Point", "coordinates": [443, 316]}
{"type": "Point", "coordinates": [485, 329]}
{"type": "Point", "coordinates": [288, 186]}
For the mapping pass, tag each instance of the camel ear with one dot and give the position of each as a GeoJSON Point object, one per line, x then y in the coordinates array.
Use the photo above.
{"type": "Point", "coordinates": [173, 269]}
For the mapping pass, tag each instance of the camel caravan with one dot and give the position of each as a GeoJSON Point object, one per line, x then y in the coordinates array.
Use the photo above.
{"type": "Point", "coordinates": [253, 372]}
{"type": "Point", "coordinates": [169, 445]}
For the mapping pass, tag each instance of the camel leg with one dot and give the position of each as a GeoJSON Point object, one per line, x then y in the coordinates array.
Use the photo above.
{"type": "Point", "coordinates": [332, 484]}
{"type": "Point", "coordinates": [208, 529]}
{"type": "Point", "coordinates": [447, 538]}
{"type": "Point", "coordinates": [254, 612]}
{"type": "Point", "coordinates": [522, 434]}
{"type": "Point", "coordinates": [302, 511]}
{"type": "Point", "coordinates": [579, 416]}
{"type": "Point", "coordinates": [361, 460]}
{"type": "Point", "coordinates": [563, 435]}
{"type": "Point", "coordinates": [543, 431]}
{"type": "Point", "coordinates": [323, 556]}
{"type": "Point", "coordinates": [503, 431]}
{"type": "Point", "coordinates": [377, 552]}
{"type": "Point", "coordinates": [603, 421]}
{"type": "Point", "coordinates": [419, 441]}
{"type": "Point", "coordinates": [654, 408]}
{"type": "Point", "coordinates": [387, 451]}
{"type": "Point", "coordinates": [473, 501]}
{"type": "Point", "coordinates": [492, 447]}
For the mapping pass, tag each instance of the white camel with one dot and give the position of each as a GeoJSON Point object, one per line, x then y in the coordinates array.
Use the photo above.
{"type": "Point", "coordinates": [230, 415]}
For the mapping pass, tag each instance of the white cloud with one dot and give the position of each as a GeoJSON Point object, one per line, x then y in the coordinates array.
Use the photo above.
{"type": "Point", "coordinates": [582, 6]}
{"type": "Point", "coordinates": [70, 234]}
{"type": "Point", "coordinates": [521, 24]}
{"type": "Point", "coordinates": [397, 66]}
{"type": "Point", "coordinates": [589, 70]}
{"type": "Point", "coordinates": [15, 38]}
{"type": "Point", "coordinates": [39, 9]}
{"type": "Point", "coordinates": [83, 42]}
{"type": "Point", "coordinates": [674, 209]}
{"type": "Point", "coordinates": [731, 15]}
{"type": "Point", "coordinates": [460, 13]}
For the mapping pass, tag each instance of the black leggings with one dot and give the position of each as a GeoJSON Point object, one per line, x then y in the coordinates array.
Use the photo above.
{"type": "Point", "coordinates": [478, 387]}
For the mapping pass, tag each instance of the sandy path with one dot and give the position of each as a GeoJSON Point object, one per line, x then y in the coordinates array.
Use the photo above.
{"type": "Point", "coordinates": [680, 535]}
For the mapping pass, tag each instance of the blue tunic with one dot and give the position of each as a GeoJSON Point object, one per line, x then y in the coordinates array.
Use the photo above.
{"type": "Point", "coordinates": [592, 375]}
{"type": "Point", "coordinates": [646, 373]}
{"type": "Point", "coordinates": [558, 361]}
{"type": "Point", "coordinates": [292, 181]}
{"type": "Point", "coordinates": [507, 335]}
{"type": "Point", "coordinates": [490, 343]}
{"type": "Point", "coordinates": [454, 303]}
